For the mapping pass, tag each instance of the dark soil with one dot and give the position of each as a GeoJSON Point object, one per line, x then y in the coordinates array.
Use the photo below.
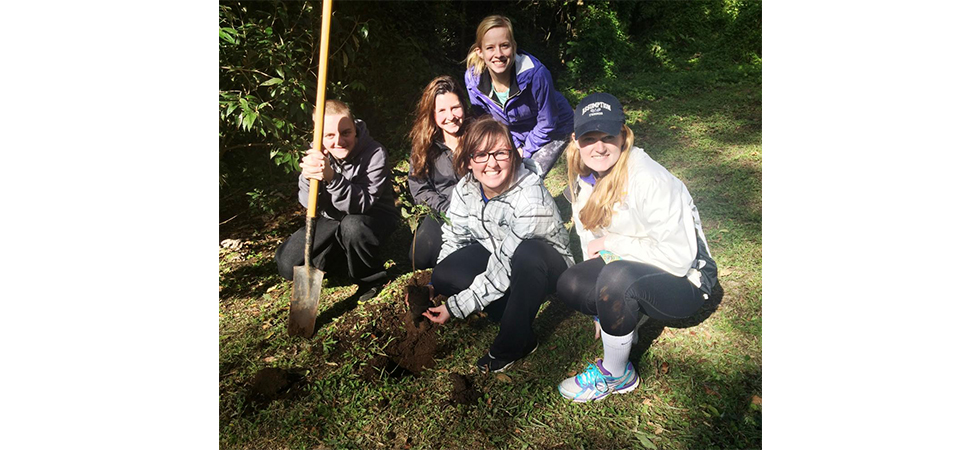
{"type": "Point", "coordinates": [273, 383]}
{"type": "Point", "coordinates": [463, 391]}
{"type": "Point", "coordinates": [418, 302]}
{"type": "Point", "coordinates": [413, 342]}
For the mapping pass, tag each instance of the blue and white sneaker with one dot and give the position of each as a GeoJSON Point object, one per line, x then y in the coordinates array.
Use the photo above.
{"type": "Point", "coordinates": [596, 383]}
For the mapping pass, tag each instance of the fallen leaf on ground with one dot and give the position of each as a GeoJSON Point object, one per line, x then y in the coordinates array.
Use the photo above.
{"type": "Point", "coordinates": [647, 402]}
{"type": "Point", "coordinates": [658, 429]}
{"type": "Point", "coordinates": [756, 399]}
{"type": "Point", "coordinates": [503, 377]}
{"type": "Point", "coordinates": [664, 368]}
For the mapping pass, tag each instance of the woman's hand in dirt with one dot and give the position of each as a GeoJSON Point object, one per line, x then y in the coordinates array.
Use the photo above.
{"type": "Point", "coordinates": [316, 167]}
{"type": "Point", "coordinates": [594, 246]}
{"type": "Point", "coordinates": [438, 314]}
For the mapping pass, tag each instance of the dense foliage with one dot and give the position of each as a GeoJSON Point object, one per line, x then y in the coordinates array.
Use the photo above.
{"type": "Point", "coordinates": [383, 53]}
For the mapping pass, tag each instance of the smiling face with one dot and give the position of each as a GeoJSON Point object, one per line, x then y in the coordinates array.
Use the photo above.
{"type": "Point", "coordinates": [497, 50]}
{"type": "Point", "coordinates": [448, 112]}
{"type": "Point", "coordinates": [494, 175]}
{"type": "Point", "coordinates": [600, 151]}
{"type": "Point", "coordinates": [339, 135]}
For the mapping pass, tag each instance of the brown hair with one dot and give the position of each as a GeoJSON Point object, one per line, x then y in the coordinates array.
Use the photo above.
{"type": "Point", "coordinates": [609, 190]}
{"type": "Point", "coordinates": [425, 129]}
{"type": "Point", "coordinates": [473, 58]}
{"type": "Point", "coordinates": [480, 134]}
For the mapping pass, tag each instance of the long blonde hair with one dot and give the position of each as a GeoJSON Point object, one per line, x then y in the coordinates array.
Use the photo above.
{"type": "Point", "coordinates": [473, 58]}
{"type": "Point", "coordinates": [609, 190]}
{"type": "Point", "coordinates": [425, 129]}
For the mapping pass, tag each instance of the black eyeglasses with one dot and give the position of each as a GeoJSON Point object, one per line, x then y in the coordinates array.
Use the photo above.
{"type": "Point", "coordinates": [500, 155]}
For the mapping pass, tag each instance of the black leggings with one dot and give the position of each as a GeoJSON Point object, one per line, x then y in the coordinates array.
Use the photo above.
{"type": "Point", "coordinates": [535, 268]}
{"type": "Point", "coordinates": [617, 292]}
{"type": "Point", "coordinates": [426, 244]}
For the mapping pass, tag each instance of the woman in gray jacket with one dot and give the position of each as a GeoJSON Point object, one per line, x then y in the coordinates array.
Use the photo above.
{"type": "Point", "coordinates": [356, 208]}
{"type": "Point", "coordinates": [504, 246]}
{"type": "Point", "coordinates": [431, 178]}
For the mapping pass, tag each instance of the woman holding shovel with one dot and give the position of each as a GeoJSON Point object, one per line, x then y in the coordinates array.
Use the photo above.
{"type": "Point", "coordinates": [504, 246]}
{"type": "Point", "coordinates": [356, 205]}
{"type": "Point", "coordinates": [641, 237]}
{"type": "Point", "coordinates": [517, 90]}
{"type": "Point", "coordinates": [431, 176]}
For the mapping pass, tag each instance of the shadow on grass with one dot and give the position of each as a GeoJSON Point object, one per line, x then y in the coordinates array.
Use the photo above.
{"type": "Point", "coordinates": [733, 422]}
{"type": "Point", "coordinates": [548, 319]}
{"type": "Point", "coordinates": [249, 280]}
{"type": "Point", "coordinates": [334, 311]}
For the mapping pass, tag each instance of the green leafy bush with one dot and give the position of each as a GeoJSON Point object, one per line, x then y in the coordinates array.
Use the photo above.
{"type": "Point", "coordinates": [268, 57]}
{"type": "Point", "coordinates": [600, 48]}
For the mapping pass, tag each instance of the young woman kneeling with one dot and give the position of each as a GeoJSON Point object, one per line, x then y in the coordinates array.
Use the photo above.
{"type": "Point", "coordinates": [642, 242]}
{"type": "Point", "coordinates": [504, 246]}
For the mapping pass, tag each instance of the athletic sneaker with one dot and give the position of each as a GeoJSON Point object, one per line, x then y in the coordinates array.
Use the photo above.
{"type": "Point", "coordinates": [490, 364]}
{"type": "Point", "coordinates": [596, 383]}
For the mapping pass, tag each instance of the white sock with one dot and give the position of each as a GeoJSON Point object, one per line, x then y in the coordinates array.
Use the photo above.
{"type": "Point", "coordinates": [616, 352]}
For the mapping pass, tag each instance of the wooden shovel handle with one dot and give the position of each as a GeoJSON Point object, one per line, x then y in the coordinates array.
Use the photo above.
{"type": "Point", "coordinates": [321, 93]}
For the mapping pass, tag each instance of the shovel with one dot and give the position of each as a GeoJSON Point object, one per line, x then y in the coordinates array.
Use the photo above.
{"type": "Point", "coordinates": [307, 280]}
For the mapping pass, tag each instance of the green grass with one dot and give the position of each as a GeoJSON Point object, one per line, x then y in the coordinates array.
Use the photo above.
{"type": "Point", "coordinates": [698, 382]}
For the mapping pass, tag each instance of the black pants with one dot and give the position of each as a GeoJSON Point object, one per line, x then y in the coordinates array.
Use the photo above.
{"type": "Point", "coordinates": [535, 269]}
{"type": "Point", "coordinates": [617, 292]}
{"type": "Point", "coordinates": [426, 244]}
{"type": "Point", "coordinates": [356, 237]}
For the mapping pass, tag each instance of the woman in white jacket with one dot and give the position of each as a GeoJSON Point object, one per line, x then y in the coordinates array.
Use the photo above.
{"type": "Point", "coordinates": [642, 242]}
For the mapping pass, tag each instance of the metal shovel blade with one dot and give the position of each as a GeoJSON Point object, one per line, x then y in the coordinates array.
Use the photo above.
{"type": "Point", "coordinates": [307, 281]}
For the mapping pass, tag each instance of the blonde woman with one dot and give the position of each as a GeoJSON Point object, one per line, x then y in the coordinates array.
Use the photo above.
{"type": "Point", "coordinates": [518, 91]}
{"type": "Point", "coordinates": [435, 135]}
{"type": "Point", "coordinates": [641, 237]}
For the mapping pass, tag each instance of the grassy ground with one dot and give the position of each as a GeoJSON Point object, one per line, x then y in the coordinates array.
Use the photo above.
{"type": "Point", "coordinates": [702, 383]}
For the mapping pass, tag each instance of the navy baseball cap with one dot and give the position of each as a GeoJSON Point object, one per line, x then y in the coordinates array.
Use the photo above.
{"type": "Point", "coordinates": [599, 112]}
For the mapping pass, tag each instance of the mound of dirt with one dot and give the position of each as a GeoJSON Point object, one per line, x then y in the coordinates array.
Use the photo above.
{"type": "Point", "coordinates": [412, 341]}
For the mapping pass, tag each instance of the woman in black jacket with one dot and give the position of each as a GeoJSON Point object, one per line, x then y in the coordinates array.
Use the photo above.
{"type": "Point", "coordinates": [435, 136]}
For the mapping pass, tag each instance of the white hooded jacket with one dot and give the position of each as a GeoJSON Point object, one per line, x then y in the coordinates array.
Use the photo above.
{"type": "Point", "coordinates": [655, 223]}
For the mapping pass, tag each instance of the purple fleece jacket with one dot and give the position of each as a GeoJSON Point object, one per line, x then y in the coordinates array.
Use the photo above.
{"type": "Point", "coordinates": [535, 111]}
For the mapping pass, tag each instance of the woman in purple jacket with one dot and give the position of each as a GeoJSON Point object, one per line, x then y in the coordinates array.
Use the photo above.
{"type": "Point", "coordinates": [517, 90]}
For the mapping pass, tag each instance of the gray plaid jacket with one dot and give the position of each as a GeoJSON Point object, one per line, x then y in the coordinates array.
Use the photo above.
{"type": "Point", "coordinates": [524, 211]}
